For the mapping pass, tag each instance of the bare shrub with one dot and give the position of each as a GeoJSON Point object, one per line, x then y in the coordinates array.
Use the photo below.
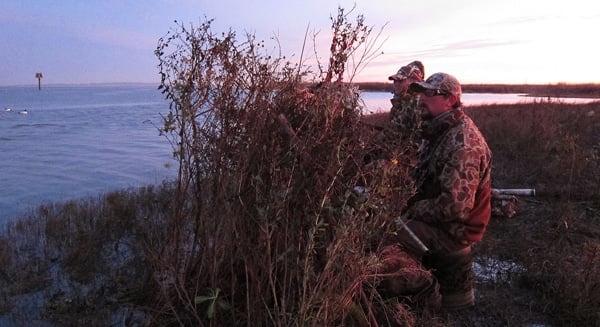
{"type": "Point", "coordinates": [267, 229]}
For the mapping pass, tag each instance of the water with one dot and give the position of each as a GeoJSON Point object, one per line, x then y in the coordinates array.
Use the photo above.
{"type": "Point", "coordinates": [380, 101]}
{"type": "Point", "coordinates": [78, 141]}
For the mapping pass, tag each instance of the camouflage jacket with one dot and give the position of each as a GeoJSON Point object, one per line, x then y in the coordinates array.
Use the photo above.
{"type": "Point", "coordinates": [399, 137]}
{"type": "Point", "coordinates": [454, 174]}
{"type": "Point", "coordinates": [404, 121]}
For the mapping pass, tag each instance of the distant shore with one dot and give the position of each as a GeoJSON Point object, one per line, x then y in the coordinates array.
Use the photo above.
{"type": "Point", "coordinates": [559, 90]}
{"type": "Point", "coordinates": [538, 90]}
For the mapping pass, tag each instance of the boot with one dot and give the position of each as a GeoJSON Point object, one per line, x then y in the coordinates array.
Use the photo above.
{"type": "Point", "coordinates": [454, 272]}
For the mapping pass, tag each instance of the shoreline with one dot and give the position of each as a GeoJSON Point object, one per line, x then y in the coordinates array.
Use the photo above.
{"type": "Point", "coordinates": [589, 90]}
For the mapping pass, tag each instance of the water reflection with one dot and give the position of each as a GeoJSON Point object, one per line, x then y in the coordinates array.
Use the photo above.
{"type": "Point", "coordinates": [491, 270]}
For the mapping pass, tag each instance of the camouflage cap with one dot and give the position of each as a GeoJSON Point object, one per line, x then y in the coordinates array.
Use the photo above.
{"type": "Point", "coordinates": [415, 70]}
{"type": "Point", "coordinates": [439, 81]}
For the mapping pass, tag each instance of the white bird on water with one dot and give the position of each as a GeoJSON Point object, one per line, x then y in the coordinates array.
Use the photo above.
{"type": "Point", "coordinates": [7, 109]}
{"type": "Point", "coordinates": [23, 112]}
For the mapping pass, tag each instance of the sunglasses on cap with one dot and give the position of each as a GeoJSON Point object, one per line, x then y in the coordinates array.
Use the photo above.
{"type": "Point", "coordinates": [434, 92]}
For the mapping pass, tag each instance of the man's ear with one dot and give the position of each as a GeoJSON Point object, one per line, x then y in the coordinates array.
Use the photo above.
{"type": "Point", "coordinates": [452, 100]}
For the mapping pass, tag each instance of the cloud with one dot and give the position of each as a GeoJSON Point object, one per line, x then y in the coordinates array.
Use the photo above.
{"type": "Point", "coordinates": [453, 49]}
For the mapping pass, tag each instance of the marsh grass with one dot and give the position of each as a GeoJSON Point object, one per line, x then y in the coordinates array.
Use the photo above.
{"type": "Point", "coordinates": [262, 228]}
{"type": "Point", "coordinates": [84, 258]}
{"type": "Point", "coordinates": [553, 147]}
{"type": "Point", "coordinates": [109, 257]}
{"type": "Point", "coordinates": [549, 145]}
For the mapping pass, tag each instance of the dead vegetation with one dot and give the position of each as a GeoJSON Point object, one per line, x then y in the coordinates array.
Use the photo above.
{"type": "Point", "coordinates": [262, 226]}
{"type": "Point", "coordinates": [553, 147]}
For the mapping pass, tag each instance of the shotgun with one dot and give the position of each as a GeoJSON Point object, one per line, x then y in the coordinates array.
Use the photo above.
{"type": "Point", "coordinates": [400, 222]}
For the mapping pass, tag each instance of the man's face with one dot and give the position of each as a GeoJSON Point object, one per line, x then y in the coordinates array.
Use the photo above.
{"type": "Point", "coordinates": [433, 105]}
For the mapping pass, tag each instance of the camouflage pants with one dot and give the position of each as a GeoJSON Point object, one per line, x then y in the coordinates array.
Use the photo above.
{"type": "Point", "coordinates": [454, 272]}
{"type": "Point", "coordinates": [449, 261]}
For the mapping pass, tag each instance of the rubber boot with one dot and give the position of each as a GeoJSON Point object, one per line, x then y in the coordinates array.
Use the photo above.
{"type": "Point", "coordinates": [454, 272]}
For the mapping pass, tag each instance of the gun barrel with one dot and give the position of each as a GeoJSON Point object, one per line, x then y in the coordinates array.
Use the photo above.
{"type": "Point", "coordinates": [420, 243]}
{"type": "Point", "coordinates": [514, 191]}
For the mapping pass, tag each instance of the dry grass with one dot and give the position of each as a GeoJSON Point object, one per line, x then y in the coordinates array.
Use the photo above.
{"type": "Point", "coordinates": [113, 245]}
{"type": "Point", "coordinates": [82, 260]}
{"type": "Point", "coordinates": [262, 228]}
{"type": "Point", "coordinates": [551, 146]}
{"type": "Point", "coordinates": [268, 230]}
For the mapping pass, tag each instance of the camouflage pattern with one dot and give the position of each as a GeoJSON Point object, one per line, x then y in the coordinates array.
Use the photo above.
{"type": "Point", "coordinates": [414, 70]}
{"type": "Point", "coordinates": [401, 130]}
{"type": "Point", "coordinates": [455, 275]}
{"type": "Point", "coordinates": [440, 81]}
{"type": "Point", "coordinates": [454, 174]}
{"type": "Point", "coordinates": [400, 135]}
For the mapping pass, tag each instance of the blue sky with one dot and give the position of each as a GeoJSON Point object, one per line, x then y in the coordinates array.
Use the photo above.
{"type": "Point", "coordinates": [509, 41]}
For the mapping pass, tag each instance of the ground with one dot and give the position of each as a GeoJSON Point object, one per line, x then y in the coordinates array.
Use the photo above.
{"type": "Point", "coordinates": [504, 297]}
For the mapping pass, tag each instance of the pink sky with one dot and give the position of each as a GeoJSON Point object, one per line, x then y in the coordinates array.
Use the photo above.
{"type": "Point", "coordinates": [508, 41]}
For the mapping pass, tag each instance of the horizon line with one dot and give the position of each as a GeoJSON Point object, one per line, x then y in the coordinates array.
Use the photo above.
{"type": "Point", "coordinates": [363, 82]}
{"type": "Point", "coordinates": [81, 84]}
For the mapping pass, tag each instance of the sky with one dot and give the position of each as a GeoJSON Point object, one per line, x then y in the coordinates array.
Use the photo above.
{"type": "Point", "coordinates": [478, 41]}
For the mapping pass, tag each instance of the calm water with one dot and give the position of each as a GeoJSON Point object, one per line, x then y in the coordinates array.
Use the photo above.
{"type": "Point", "coordinates": [380, 101]}
{"type": "Point", "coordinates": [78, 141]}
